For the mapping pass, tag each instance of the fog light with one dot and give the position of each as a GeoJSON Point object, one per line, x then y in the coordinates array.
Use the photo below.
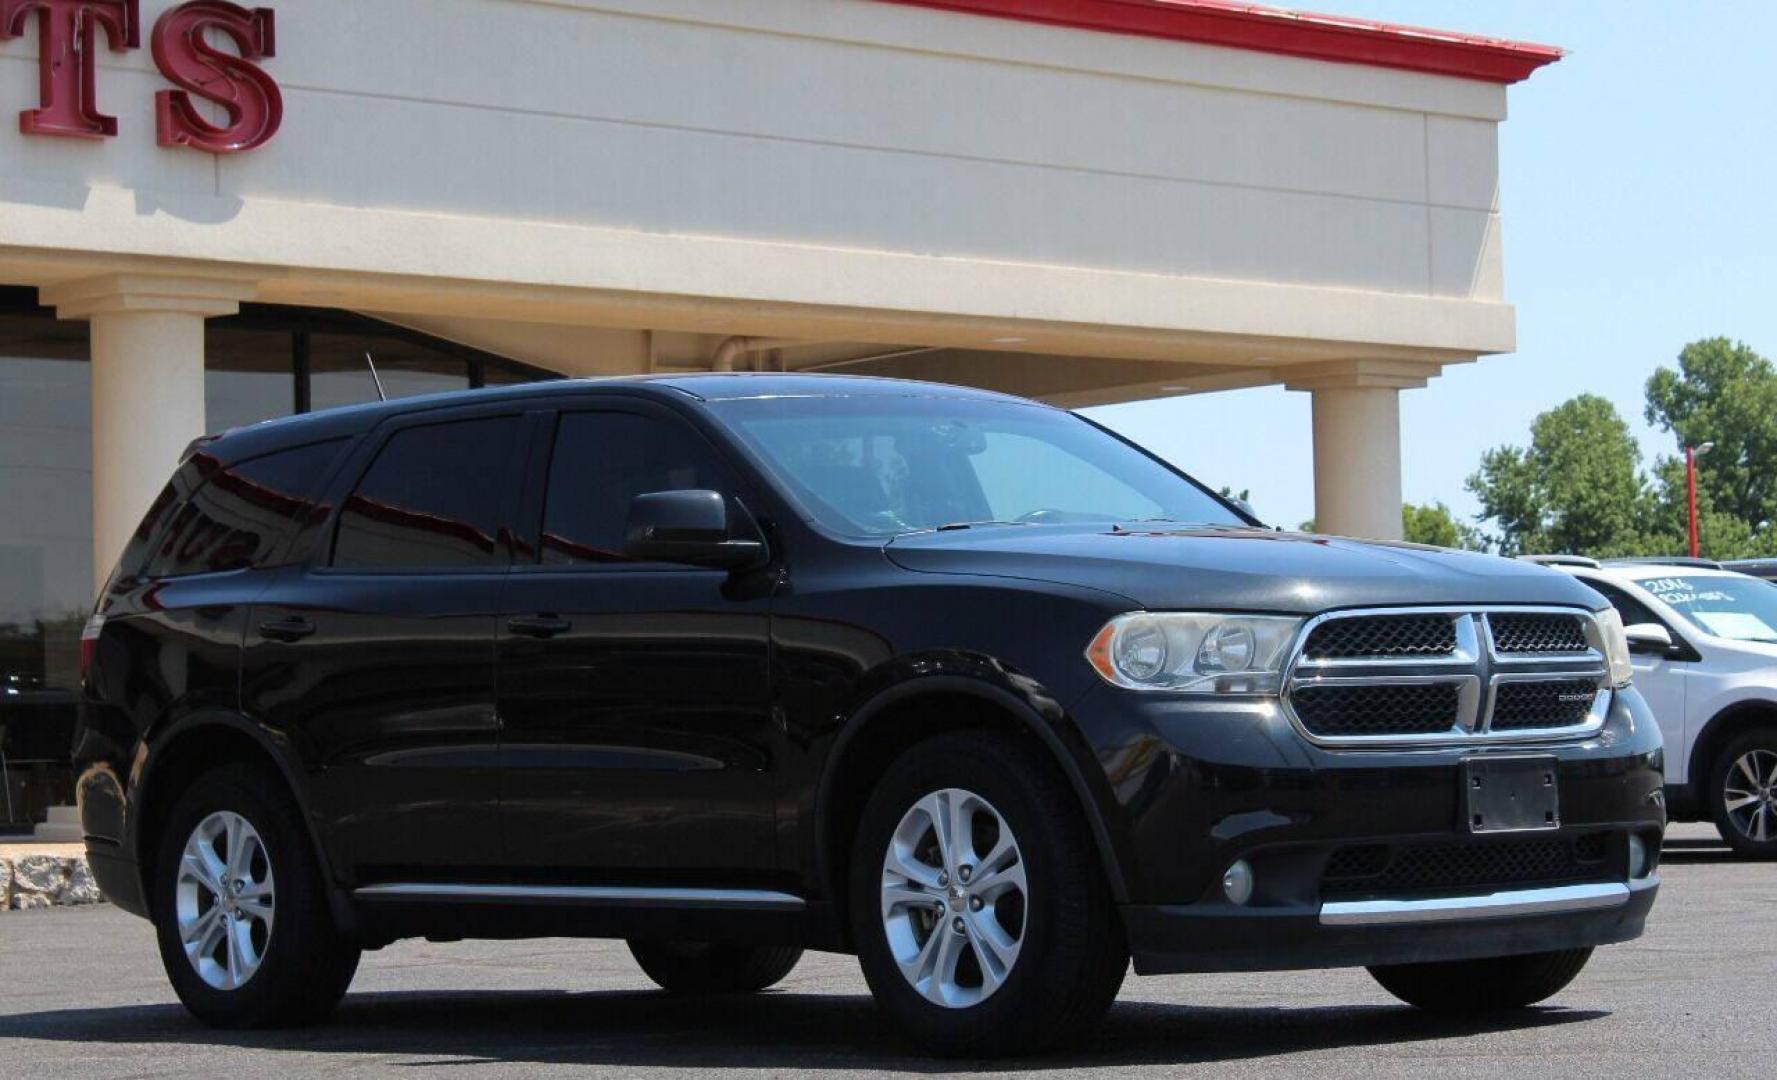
{"type": "Point", "coordinates": [1237, 882]}
{"type": "Point", "coordinates": [1637, 856]}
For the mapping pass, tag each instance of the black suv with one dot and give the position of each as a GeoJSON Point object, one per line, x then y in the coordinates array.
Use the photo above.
{"type": "Point", "coordinates": [733, 666]}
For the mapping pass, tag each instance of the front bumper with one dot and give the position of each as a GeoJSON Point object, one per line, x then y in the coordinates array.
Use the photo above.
{"type": "Point", "coordinates": [1194, 787]}
{"type": "Point", "coordinates": [1220, 937]}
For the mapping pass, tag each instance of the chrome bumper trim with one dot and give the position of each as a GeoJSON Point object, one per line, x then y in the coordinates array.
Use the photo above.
{"type": "Point", "coordinates": [598, 895]}
{"type": "Point", "coordinates": [1500, 905]}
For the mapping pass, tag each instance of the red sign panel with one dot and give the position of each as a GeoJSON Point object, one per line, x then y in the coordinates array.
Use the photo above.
{"type": "Point", "coordinates": [69, 34]}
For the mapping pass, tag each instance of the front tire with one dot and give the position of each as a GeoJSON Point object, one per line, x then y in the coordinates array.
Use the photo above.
{"type": "Point", "coordinates": [983, 922]}
{"type": "Point", "coordinates": [1743, 793]}
{"type": "Point", "coordinates": [1476, 986]}
{"type": "Point", "coordinates": [240, 907]}
{"type": "Point", "coordinates": [694, 967]}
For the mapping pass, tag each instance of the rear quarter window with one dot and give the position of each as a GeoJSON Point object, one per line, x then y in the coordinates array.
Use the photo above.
{"type": "Point", "coordinates": [138, 549]}
{"type": "Point", "coordinates": [245, 515]}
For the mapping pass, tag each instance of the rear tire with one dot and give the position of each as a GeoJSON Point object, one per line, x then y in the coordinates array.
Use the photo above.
{"type": "Point", "coordinates": [694, 967]}
{"type": "Point", "coordinates": [247, 940]}
{"type": "Point", "coordinates": [1490, 985]}
{"type": "Point", "coordinates": [1029, 953]}
{"type": "Point", "coordinates": [1732, 781]}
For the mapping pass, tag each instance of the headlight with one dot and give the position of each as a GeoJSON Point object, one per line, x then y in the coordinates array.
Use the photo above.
{"type": "Point", "coordinates": [1194, 654]}
{"type": "Point", "coordinates": [1616, 647]}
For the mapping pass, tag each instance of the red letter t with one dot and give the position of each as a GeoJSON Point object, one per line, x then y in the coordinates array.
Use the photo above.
{"type": "Point", "coordinates": [68, 62]}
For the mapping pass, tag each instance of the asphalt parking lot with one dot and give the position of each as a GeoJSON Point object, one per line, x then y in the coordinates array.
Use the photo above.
{"type": "Point", "coordinates": [81, 994]}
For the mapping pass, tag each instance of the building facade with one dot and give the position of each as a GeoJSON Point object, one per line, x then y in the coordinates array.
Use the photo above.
{"type": "Point", "coordinates": [210, 213]}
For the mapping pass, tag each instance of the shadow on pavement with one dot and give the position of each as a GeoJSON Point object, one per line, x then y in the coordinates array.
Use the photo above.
{"type": "Point", "coordinates": [776, 1031]}
{"type": "Point", "coordinates": [1688, 856]}
{"type": "Point", "coordinates": [1684, 843]}
{"type": "Point", "coordinates": [1684, 851]}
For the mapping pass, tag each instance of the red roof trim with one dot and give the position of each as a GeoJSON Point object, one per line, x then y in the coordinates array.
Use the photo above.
{"type": "Point", "coordinates": [1292, 33]}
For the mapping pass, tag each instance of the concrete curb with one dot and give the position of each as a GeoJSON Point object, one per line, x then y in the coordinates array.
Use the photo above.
{"type": "Point", "coordinates": [45, 875]}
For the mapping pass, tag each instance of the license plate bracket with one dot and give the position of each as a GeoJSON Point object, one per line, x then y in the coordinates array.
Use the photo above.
{"type": "Point", "coordinates": [1511, 794]}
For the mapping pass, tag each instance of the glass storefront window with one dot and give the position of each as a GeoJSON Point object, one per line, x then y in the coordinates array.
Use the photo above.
{"type": "Point", "coordinates": [407, 368]}
{"type": "Point", "coordinates": [248, 376]}
{"type": "Point", "coordinates": [497, 373]}
{"type": "Point", "coordinates": [251, 373]}
{"type": "Point", "coordinates": [46, 572]}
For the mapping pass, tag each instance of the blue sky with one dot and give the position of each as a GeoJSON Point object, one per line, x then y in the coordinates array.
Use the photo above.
{"type": "Point", "coordinates": [1638, 181]}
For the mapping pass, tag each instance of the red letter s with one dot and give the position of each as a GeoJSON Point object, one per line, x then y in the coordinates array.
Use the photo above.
{"type": "Point", "coordinates": [250, 97]}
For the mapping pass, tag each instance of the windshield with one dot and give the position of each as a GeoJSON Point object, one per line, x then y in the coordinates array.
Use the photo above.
{"type": "Point", "coordinates": [1740, 609]}
{"type": "Point", "coordinates": [881, 466]}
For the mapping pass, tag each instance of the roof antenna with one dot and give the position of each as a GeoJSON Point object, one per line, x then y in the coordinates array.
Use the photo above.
{"type": "Point", "coordinates": [378, 379]}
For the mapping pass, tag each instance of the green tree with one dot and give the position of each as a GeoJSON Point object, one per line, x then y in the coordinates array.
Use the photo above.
{"type": "Point", "coordinates": [1434, 524]}
{"type": "Point", "coordinates": [1576, 488]}
{"type": "Point", "coordinates": [1725, 393]}
{"type": "Point", "coordinates": [1666, 521]}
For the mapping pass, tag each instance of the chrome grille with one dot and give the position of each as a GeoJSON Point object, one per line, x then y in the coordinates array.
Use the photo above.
{"type": "Point", "coordinates": [1382, 636]}
{"type": "Point", "coordinates": [1436, 676]}
{"type": "Point", "coordinates": [1538, 634]}
{"type": "Point", "coordinates": [1543, 703]}
{"type": "Point", "coordinates": [1379, 708]}
{"type": "Point", "coordinates": [1390, 870]}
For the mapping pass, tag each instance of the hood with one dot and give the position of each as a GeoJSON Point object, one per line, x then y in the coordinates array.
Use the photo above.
{"type": "Point", "coordinates": [1237, 569]}
{"type": "Point", "coordinates": [1756, 654]}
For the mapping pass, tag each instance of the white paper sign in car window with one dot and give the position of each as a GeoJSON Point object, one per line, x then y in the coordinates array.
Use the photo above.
{"type": "Point", "coordinates": [1736, 625]}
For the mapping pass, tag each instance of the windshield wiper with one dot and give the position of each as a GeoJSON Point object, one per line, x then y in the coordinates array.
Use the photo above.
{"type": "Point", "coordinates": [955, 525]}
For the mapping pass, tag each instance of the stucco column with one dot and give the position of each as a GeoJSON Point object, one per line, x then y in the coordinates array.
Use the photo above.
{"type": "Point", "coordinates": [147, 386]}
{"type": "Point", "coordinates": [1357, 442]}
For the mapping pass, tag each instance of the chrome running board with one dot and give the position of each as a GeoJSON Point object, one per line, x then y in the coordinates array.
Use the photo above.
{"type": "Point", "coordinates": [599, 895]}
{"type": "Point", "coordinates": [1499, 905]}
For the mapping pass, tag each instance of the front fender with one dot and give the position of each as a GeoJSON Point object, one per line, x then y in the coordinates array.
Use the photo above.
{"type": "Point", "coordinates": [957, 673]}
{"type": "Point", "coordinates": [1751, 693]}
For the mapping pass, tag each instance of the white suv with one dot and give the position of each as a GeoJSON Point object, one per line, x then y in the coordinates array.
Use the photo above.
{"type": "Point", "coordinates": [1704, 645]}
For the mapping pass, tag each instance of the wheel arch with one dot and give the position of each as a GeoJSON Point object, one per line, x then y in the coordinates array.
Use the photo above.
{"type": "Point", "coordinates": [1717, 732]}
{"type": "Point", "coordinates": [194, 745]}
{"type": "Point", "coordinates": [916, 707]}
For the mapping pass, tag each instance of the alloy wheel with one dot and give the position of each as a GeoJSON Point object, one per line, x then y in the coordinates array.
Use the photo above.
{"type": "Point", "coordinates": [1750, 795]}
{"type": "Point", "coordinates": [224, 900]}
{"type": "Point", "coordinates": [954, 898]}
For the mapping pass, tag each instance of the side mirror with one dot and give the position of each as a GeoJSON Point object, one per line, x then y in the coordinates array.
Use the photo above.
{"type": "Point", "coordinates": [689, 527]}
{"type": "Point", "coordinates": [1648, 637]}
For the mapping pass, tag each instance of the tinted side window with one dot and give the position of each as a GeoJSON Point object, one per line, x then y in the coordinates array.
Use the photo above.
{"type": "Point", "coordinates": [601, 462]}
{"type": "Point", "coordinates": [244, 515]}
{"type": "Point", "coordinates": [431, 500]}
{"type": "Point", "coordinates": [1632, 610]}
{"type": "Point", "coordinates": [136, 551]}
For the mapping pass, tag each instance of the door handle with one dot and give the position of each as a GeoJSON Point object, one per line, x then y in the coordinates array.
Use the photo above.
{"type": "Point", "coordinates": [538, 626]}
{"type": "Point", "coordinates": [294, 629]}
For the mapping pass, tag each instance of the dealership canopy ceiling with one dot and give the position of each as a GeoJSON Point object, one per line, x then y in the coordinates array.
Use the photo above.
{"type": "Point", "coordinates": [1085, 200]}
